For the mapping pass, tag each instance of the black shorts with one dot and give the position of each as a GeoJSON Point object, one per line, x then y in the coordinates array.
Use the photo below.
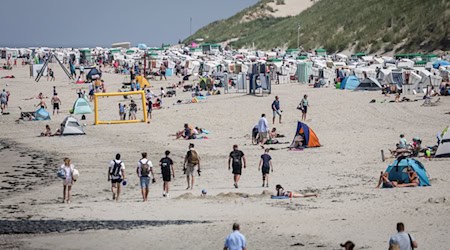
{"type": "Point", "coordinates": [166, 177]}
{"type": "Point", "coordinates": [116, 181]}
{"type": "Point", "coordinates": [56, 106]}
{"type": "Point", "coordinates": [237, 169]}
{"type": "Point", "coordinates": [305, 110]}
{"type": "Point", "coordinates": [265, 170]}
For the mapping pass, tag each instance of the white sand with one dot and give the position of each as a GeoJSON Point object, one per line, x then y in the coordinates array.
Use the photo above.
{"type": "Point", "coordinates": [290, 8]}
{"type": "Point", "coordinates": [344, 172]}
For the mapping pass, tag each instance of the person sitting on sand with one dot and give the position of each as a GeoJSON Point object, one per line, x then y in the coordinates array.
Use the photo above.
{"type": "Point", "coordinates": [281, 192]}
{"type": "Point", "coordinates": [384, 179]}
{"type": "Point", "coordinates": [298, 141]}
{"type": "Point", "coordinates": [47, 131]}
{"type": "Point", "coordinates": [414, 180]}
{"type": "Point", "coordinates": [186, 133]}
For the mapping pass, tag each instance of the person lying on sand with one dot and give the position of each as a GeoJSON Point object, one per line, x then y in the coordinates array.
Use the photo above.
{"type": "Point", "coordinates": [281, 192]}
{"type": "Point", "coordinates": [47, 131]}
{"type": "Point", "coordinates": [39, 96]}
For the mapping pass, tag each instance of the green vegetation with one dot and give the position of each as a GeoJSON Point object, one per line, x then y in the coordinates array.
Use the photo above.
{"type": "Point", "coordinates": [370, 25]}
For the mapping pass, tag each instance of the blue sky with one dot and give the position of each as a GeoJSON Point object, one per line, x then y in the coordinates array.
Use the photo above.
{"type": "Point", "coordinates": [89, 23]}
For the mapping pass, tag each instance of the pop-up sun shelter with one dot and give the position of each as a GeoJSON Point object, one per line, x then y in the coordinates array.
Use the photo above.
{"type": "Point", "coordinates": [41, 115]}
{"type": "Point", "coordinates": [93, 74]}
{"type": "Point", "coordinates": [81, 107]}
{"type": "Point", "coordinates": [142, 82]}
{"type": "Point", "coordinates": [369, 84]}
{"type": "Point", "coordinates": [350, 83]}
{"type": "Point", "coordinates": [310, 139]}
{"type": "Point", "coordinates": [70, 126]}
{"type": "Point", "coordinates": [397, 171]}
{"type": "Point", "coordinates": [443, 149]}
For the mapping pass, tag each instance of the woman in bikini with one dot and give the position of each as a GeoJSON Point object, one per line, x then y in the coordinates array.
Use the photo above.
{"type": "Point", "coordinates": [414, 180]}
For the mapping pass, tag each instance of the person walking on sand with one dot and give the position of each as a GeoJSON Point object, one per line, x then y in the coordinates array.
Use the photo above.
{"type": "Point", "coordinates": [304, 104]}
{"type": "Point", "coordinates": [266, 164]}
{"type": "Point", "coordinates": [402, 239]}
{"type": "Point", "coordinates": [68, 180]}
{"type": "Point", "coordinates": [3, 100]}
{"type": "Point", "coordinates": [116, 174]}
{"type": "Point", "coordinates": [191, 160]}
{"type": "Point", "coordinates": [235, 240]}
{"type": "Point", "coordinates": [144, 170]}
{"type": "Point", "coordinates": [167, 172]}
{"type": "Point", "coordinates": [162, 71]}
{"type": "Point", "coordinates": [276, 109]}
{"type": "Point", "coordinates": [56, 102]}
{"type": "Point", "coordinates": [263, 130]}
{"type": "Point", "coordinates": [236, 157]}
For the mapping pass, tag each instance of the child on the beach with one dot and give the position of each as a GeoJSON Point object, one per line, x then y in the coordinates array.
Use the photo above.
{"type": "Point", "coordinates": [68, 181]}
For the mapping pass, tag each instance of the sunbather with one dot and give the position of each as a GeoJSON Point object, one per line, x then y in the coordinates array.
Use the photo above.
{"type": "Point", "coordinates": [298, 141]}
{"type": "Point", "coordinates": [47, 131]}
{"type": "Point", "coordinates": [384, 179]}
{"type": "Point", "coordinates": [414, 180]}
{"type": "Point", "coordinates": [281, 192]}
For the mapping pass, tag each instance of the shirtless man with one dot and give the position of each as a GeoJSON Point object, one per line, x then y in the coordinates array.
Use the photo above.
{"type": "Point", "coordinates": [56, 102]}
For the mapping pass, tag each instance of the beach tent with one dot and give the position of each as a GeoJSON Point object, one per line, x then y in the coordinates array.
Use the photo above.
{"type": "Point", "coordinates": [81, 107]}
{"type": "Point", "coordinates": [397, 171]}
{"type": "Point", "coordinates": [350, 83]}
{"type": "Point", "coordinates": [93, 74]}
{"type": "Point", "coordinates": [440, 63]}
{"type": "Point", "coordinates": [70, 126]}
{"type": "Point", "coordinates": [443, 149]}
{"type": "Point", "coordinates": [369, 83]}
{"type": "Point", "coordinates": [309, 137]}
{"type": "Point", "coordinates": [142, 82]}
{"type": "Point", "coordinates": [41, 115]}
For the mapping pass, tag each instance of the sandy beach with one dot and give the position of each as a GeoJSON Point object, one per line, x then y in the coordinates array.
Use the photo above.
{"type": "Point", "coordinates": [344, 172]}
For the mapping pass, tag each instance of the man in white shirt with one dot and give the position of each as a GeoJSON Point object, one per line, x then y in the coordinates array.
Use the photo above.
{"type": "Point", "coordinates": [402, 239]}
{"type": "Point", "coordinates": [116, 174]}
{"type": "Point", "coordinates": [144, 171]}
{"type": "Point", "coordinates": [263, 129]}
{"type": "Point", "coordinates": [236, 240]}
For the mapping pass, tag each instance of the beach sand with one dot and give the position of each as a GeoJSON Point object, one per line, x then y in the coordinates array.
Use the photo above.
{"type": "Point", "coordinates": [344, 171]}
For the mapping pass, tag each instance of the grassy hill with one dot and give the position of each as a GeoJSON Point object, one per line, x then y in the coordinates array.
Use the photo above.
{"type": "Point", "coordinates": [374, 26]}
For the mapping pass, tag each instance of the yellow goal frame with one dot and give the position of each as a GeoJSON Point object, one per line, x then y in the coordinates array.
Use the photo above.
{"type": "Point", "coordinates": [144, 107]}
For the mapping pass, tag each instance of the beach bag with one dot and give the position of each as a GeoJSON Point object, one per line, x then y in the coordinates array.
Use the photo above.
{"type": "Point", "coordinates": [145, 169]}
{"type": "Point", "coordinates": [193, 158]}
{"type": "Point", "coordinates": [115, 171]}
{"type": "Point", "coordinates": [75, 174]}
{"type": "Point", "coordinates": [61, 173]}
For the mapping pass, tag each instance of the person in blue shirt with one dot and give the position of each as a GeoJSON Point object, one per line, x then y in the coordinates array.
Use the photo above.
{"type": "Point", "coordinates": [236, 240]}
{"type": "Point", "coordinates": [276, 109]}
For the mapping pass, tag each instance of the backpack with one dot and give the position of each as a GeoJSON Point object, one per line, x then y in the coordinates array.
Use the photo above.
{"type": "Point", "coordinates": [145, 169]}
{"type": "Point", "coordinates": [193, 157]}
{"type": "Point", "coordinates": [115, 171]}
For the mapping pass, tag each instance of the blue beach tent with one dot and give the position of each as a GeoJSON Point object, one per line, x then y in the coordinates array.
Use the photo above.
{"type": "Point", "coordinates": [440, 63]}
{"type": "Point", "coordinates": [397, 171]}
{"type": "Point", "coordinates": [350, 83]}
{"type": "Point", "coordinates": [41, 115]}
